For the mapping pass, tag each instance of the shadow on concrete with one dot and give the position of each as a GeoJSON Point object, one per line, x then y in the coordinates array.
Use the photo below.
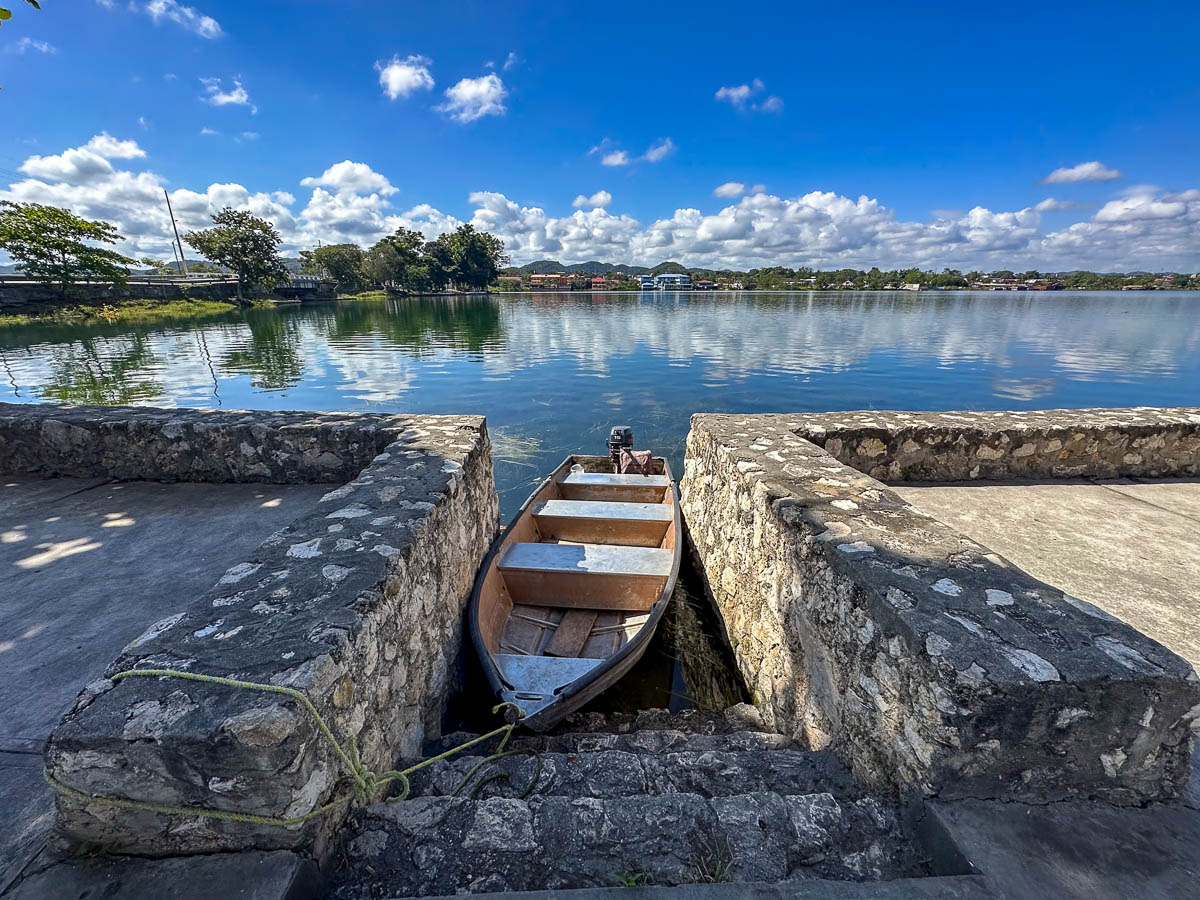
{"type": "Point", "coordinates": [86, 565]}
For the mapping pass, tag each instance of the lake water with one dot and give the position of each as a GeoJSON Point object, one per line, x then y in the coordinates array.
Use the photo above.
{"type": "Point", "coordinates": [552, 372]}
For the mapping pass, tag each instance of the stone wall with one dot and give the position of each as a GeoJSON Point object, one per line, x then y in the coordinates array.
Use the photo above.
{"type": "Point", "coordinates": [862, 624]}
{"type": "Point", "coordinates": [358, 604]}
{"type": "Point", "coordinates": [14, 296]}
{"type": "Point", "coordinates": [191, 445]}
{"type": "Point", "coordinates": [1053, 443]}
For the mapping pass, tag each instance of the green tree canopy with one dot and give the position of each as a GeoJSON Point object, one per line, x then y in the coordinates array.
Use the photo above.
{"type": "Point", "coordinates": [244, 243]}
{"type": "Point", "coordinates": [439, 261]}
{"type": "Point", "coordinates": [477, 256]}
{"type": "Point", "coordinates": [382, 264]}
{"type": "Point", "coordinates": [52, 245]}
{"type": "Point", "coordinates": [6, 14]}
{"type": "Point", "coordinates": [341, 262]}
{"type": "Point", "coordinates": [411, 273]}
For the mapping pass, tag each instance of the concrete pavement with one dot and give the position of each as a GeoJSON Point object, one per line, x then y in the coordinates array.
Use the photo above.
{"type": "Point", "coordinates": [1130, 547]}
{"type": "Point", "coordinates": [85, 567]}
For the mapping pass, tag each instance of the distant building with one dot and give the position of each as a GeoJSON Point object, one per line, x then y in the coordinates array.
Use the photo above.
{"type": "Point", "coordinates": [910, 286]}
{"type": "Point", "coordinates": [647, 282]}
{"type": "Point", "coordinates": [671, 282]}
{"type": "Point", "coordinates": [509, 282]}
{"type": "Point", "coordinates": [599, 283]}
{"type": "Point", "coordinates": [557, 281]}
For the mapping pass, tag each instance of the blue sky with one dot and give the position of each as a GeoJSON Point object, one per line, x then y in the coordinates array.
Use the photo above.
{"type": "Point", "coordinates": [863, 134]}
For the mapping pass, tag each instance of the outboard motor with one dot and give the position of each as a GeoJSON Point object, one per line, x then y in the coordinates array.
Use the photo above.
{"type": "Point", "coordinates": [620, 438]}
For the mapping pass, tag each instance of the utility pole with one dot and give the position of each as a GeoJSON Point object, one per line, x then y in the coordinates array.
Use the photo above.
{"type": "Point", "coordinates": [171, 212]}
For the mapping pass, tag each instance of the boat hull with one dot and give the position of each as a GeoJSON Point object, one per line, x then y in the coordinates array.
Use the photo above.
{"type": "Point", "coordinates": [529, 680]}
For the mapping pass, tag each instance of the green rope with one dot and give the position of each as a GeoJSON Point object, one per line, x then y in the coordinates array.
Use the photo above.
{"type": "Point", "coordinates": [367, 784]}
{"type": "Point", "coordinates": [496, 776]}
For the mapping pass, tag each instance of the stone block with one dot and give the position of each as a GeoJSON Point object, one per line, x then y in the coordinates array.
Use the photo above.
{"type": "Point", "coordinates": [148, 444]}
{"type": "Point", "coordinates": [931, 663]}
{"type": "Point", "coordinates": [278, 875]}
{"type": "Point", "coordinates": [1006, 444]}
{"type": "Point", "coordinates": [358, 605]}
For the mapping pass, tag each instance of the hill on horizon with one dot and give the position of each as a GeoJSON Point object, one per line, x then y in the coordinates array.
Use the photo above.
{"type": "Point", "coordinates": [551, 266]}
{"type": "Point", "coordinates": [592, 267]}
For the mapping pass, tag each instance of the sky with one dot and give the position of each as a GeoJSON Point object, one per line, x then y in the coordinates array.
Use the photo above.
{"type": "Point", "coordinates": [1053, 136]}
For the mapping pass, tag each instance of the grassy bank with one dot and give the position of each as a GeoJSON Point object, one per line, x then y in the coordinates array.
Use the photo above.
{"type": "Point", "coordinates": [129, 311]}
{"type": "Point", "coordinates": [366, 295]}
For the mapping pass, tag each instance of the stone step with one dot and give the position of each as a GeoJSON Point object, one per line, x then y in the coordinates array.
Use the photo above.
{"type": "Point", "coordinates": [740, 717]}
{"type": "Point", "coordinates": [617, 773]}
{"type": "Point", "coordinates": [433, 846]}
{"type": "Point", "coordinates": [640, 742]}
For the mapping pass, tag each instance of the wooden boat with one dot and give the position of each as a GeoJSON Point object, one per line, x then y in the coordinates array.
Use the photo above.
{"type": "Point", "coordinates": [571, 592]}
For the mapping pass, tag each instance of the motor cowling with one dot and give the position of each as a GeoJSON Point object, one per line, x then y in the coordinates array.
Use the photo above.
{"type": "Point", "coordinates": [620, 438]}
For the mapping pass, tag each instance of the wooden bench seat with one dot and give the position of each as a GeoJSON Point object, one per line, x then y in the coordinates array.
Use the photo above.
{"type": "Point", "coordinates": [607, 486]}
{"type": "Point", "coordinates": [585, 576]}
{"type": "Point", "coordinates": [604, 522]}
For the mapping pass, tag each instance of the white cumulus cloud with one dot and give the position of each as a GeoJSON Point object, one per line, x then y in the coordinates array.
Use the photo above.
{"type": "Point", "coordinates": [598, 200]}
{"type": "Point", "coordinates": [1144, 204]}
{"type": "Point", "coordinates": [659, 150]}
{"type": "Point", "coordinates": [402, 77]}
{"type": "Point", "coordinates": [739, 96]}
{"type": "Point", "coordinates": [104, 144]}
{"type": "Point", "coordinates": [474, 98]}
{"type": "Point", "coordinates": [611, 156]}
{"type": "Point", "coordinates": [1052, 205]}
{"type": "Point", "coordinates": [349, 177]}
{"type": "Point", "coordinates": [81, 165]}
{"type": "Point", "coordinates": [83, 180]}
{"type": "Point", "coordinates": [187, 16]}
{"type": "Point", "coordinates": [28, 43]}
{"type": "Point", "coordinates": [237, 95]}
{"type": "Point", "coordinates": [1086, 171]}
{"type": "Point", "coordinates": [1144, 228]}
{"type": "Point", "coordinates": [730, 189]}
{"type": "Point", "coordinates": [511, 62]}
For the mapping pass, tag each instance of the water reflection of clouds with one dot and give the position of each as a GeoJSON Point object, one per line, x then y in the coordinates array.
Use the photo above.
{"type": "Point", "coordinates": [372, 371]}
{"type": "Point", "coordinates": [1024, 390]}
{"type": "Point", "coordinates": [1035, 342]}
{"type": "Point", "coordinates": [808, 334]}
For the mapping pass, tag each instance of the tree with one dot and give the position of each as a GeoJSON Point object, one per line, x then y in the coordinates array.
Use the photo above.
{"type": "Point", "coordinates": [418, 280]}
{"type": "Point", "coordinates": [6, 14]}
{"type": "Point", "coordinates": [412, 274]}
{"type": "Point", "coordinates": [439, 261]}
{"type": "Point", "coordinates": [341, 262]}
{"type": "Point", "coordinates": [50, 244]}
{"type": "Point", "coordinates": [477, 256]}
{"type": "Point", "coordinates": [244, 243]}
{"type": "Point", "coordinates": [382, 264]}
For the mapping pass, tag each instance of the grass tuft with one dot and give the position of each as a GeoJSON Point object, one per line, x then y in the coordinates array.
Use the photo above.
{"type": "Point", "coordinates": [130, 311]}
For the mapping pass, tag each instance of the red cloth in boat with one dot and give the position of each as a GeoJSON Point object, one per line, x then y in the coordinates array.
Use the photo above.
{"type": "Point", "coordinates": [636, 462]}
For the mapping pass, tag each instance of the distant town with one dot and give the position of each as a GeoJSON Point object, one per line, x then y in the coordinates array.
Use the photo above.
{"type": "Point", "coordinates": [548, 275]}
